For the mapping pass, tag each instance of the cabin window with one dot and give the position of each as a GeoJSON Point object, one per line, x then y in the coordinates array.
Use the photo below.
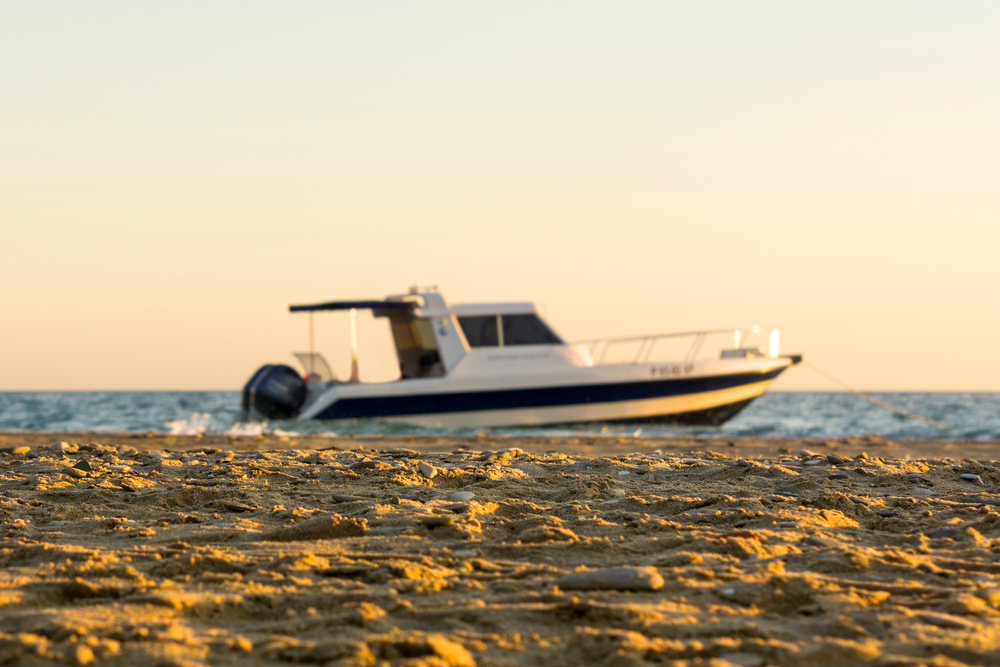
{"type": "Point", "coordinates": [425, 334]}
{"type": "Point", "coordinates": [416, 347]}
{"type": "Point", "coordinates": [480, 330]}
{"type": "Point", "coordinates": [527, 330]}
{"type": "Point", "coordinates": [404, 334]}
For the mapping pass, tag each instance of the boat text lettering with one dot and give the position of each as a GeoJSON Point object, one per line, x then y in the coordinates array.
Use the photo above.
{"type": "Point", "coordinates": [671, 369]}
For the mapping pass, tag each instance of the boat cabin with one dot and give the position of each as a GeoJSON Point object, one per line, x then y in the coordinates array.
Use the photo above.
{"type": "Point", "coordinates": [432, 338]}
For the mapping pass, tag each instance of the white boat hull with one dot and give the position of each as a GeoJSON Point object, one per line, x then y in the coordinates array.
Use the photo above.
{"type": "Point", "coordinates": [701, 394]}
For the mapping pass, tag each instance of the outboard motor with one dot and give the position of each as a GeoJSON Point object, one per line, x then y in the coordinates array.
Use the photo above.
{"type": "Point", "coordinates": [275, 391]}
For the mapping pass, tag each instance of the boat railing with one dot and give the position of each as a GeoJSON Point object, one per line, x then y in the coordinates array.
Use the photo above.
{"type": "Point", "coordinates": [648, 342]}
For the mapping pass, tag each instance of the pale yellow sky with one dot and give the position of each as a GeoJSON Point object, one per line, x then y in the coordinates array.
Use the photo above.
{"type": "Point", "coordinates": [173, 176]}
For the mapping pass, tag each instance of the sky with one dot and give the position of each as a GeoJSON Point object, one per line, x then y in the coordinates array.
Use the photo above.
{"type": "Point", "coordinates": [174, 175]}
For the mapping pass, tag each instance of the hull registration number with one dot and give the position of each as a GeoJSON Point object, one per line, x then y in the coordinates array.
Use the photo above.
{"type": "Point", "coordinates": [671, 370]}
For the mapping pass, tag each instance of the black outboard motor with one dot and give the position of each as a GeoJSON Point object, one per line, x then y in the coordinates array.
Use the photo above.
{"type": "Point", "coordinates": [275, 391]}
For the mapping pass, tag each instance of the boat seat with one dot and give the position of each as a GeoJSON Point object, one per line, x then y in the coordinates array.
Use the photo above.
{"type": "Point", "coordinates": [315, 366]}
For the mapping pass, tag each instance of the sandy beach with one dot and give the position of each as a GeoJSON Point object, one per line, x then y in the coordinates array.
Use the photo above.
{"type": "Point", "coordinates": [215, 550]}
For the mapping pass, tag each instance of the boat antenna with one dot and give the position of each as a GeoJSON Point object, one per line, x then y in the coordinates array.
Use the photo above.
{"type": "Point", "coordinates": [877, 401]}
{"type": "Point", "coordinates": [354, 346]}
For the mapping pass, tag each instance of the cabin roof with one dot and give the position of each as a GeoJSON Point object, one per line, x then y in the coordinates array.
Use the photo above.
{"type": "Point", "coordinates": [492, 308]}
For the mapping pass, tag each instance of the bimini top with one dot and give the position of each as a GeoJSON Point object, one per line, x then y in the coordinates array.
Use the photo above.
{"type": "Point", "coordinates": [423, 304]}
{"type": "Point", "coordinates": [348, 305]}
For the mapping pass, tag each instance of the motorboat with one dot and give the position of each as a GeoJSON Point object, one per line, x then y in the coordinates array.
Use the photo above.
{"type": "Point", "coordinates": [502, 365]}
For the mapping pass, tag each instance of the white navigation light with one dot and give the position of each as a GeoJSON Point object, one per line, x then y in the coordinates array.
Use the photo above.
{"type": "Point", "coordinates": [756, 329]}
{"type": "Point", "coordinates": [736, 339]}
{"type": "Point", "coordinates": [773, 344]}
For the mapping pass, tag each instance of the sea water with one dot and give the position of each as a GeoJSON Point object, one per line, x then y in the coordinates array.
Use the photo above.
{"type": "Point", "coordinates": [974, 416]}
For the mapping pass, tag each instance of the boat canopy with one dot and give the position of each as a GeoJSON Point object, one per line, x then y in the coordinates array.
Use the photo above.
{"type": "Point", "coordinates": [352, 305]}
{"type": "Point", "coordinates": [422, 305]}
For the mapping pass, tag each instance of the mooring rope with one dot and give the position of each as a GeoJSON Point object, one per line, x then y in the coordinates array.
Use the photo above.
{"type": "Point", "coordinates": [877, 401]}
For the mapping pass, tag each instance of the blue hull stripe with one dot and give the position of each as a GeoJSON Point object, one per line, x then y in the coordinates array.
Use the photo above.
{"type": "Point", "coordinates": [540, 397]}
